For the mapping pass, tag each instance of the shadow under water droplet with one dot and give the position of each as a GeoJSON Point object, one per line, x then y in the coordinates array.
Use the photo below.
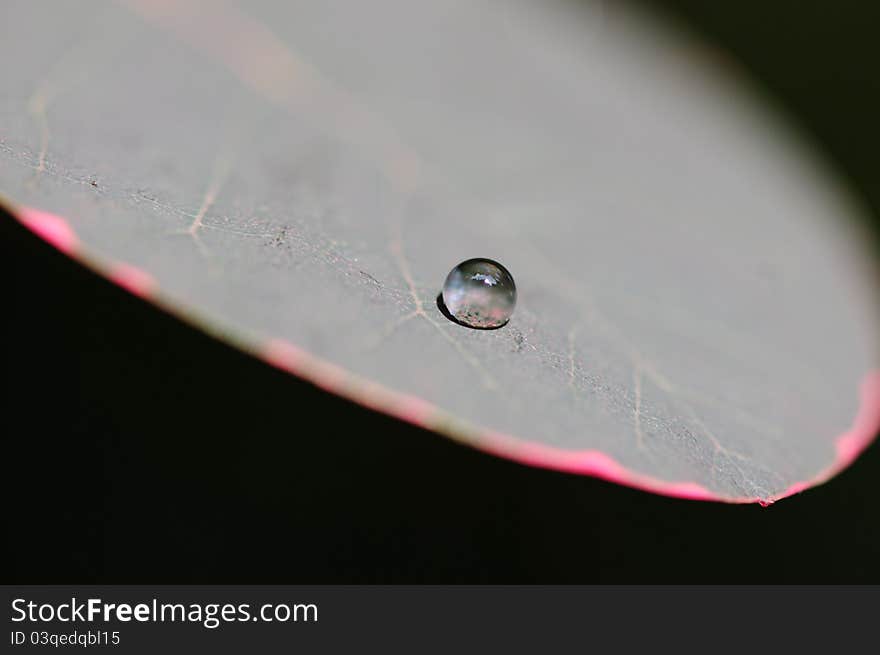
{"type": "Point", "coordinates": [443, 310]}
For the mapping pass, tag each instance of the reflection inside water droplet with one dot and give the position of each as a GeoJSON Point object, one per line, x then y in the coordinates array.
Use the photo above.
{"type": "Point", "coordinates": [479, 293]}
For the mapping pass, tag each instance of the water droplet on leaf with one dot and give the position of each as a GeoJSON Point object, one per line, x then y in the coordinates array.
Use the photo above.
{"type": "Point", "coordinates": [479, 293]}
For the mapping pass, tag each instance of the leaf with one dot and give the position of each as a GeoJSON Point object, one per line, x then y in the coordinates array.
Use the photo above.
{"type": "Point", "coordinates": [695, 311]}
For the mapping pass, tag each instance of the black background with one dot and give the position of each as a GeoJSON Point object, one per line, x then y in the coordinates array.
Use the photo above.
{"type": "Point", "coordinates": [137, 449]}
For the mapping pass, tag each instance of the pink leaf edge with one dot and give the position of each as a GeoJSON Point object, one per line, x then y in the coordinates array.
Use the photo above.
{"type": "Point", "coordinates": [335, 379]}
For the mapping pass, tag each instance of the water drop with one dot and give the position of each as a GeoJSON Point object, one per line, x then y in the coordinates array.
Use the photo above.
{"type": "Point", "coordinates": [479, 293]}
